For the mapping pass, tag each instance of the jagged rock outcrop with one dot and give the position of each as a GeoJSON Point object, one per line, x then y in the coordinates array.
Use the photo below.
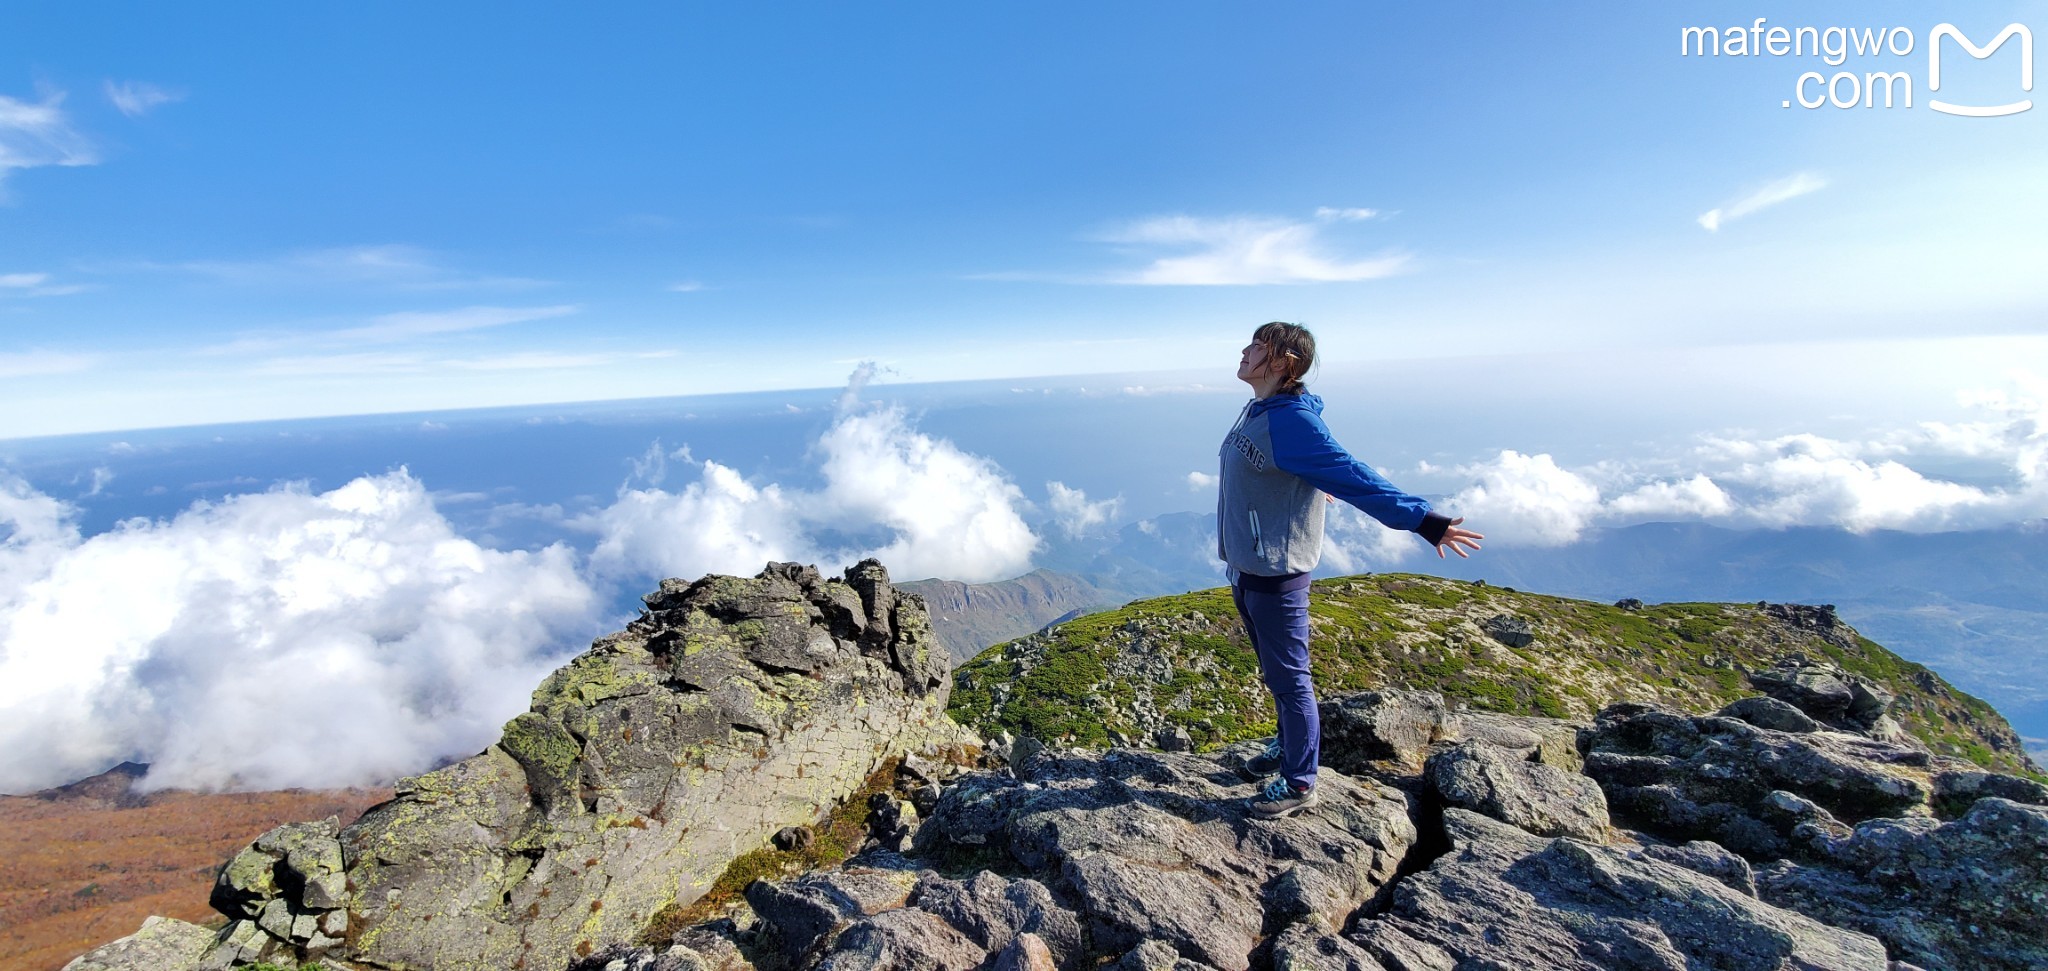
{"type": "Point", "coordinates": [1844, 824]}
{"type": "Point", "coordinates": [1754, 790]}
{"type": "Point", "coordinates": [731, 709]}
{"type": "Point", "coordinates": [1799, 829]}
{"type": "Point", "coordinates": [1967, 893]}
{"type": "Point", "coordinates": [1146, 858]}
{"type": "Point", "coordinates": [1504, 899]}
{"type": "Point", "coordinates": [1157, 846]}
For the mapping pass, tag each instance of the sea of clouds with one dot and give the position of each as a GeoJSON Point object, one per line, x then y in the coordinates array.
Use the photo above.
{"type": "Point", "coordinates": [293, 638]}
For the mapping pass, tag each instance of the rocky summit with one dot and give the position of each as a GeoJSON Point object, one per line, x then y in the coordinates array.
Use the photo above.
{"type": "Point", "coordinates": [1784, 796]}
{"type": "Point", "coordinates": [730, 709]}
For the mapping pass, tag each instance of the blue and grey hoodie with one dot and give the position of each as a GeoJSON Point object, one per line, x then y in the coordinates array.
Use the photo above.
{"type": "Point", "coordinates": [1277, 462]}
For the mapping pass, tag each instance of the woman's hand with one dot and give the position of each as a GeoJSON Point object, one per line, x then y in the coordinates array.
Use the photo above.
{"type": "Point", "coordinates": [1458, 539]}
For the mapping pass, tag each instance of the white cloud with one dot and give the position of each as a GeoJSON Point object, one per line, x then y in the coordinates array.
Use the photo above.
{"type": "Point", "coordinates": [1695, 498]}
{"type": "Point", "coordinates": [32, 363]}
{"type": "Point", "coordinates": [686, 286]}
{"type": "Point", "coordinates": [1790, 187]}
{"type": "Point", "coordinates": [1198, 481]}
{"type": "Point", "coordinates": [35, 285]}
{"type": "Point", "coordinates": [35, 134]}
{"type": "Point", "coordinates": [1355, 543]}
{"type": "Point", "coordinates": [101, 478]}
{"type": "Point", "coordinates": [393, 265]}
{"type": "Point", "coordinates": [1074, 514]}
{"type": "Point", "coordinates": [411, 325]}
{"type": "Point", "coordinates": [272, 639]}
{"type": "Point", "coordinates": [1241, 251]}
{"type": "Point", "coordinates": [1337, 214]}
{"type": "Point", "coordinates": [1526, 499]}
{"type": "Point", "coordinates": [920, 504]}
{"type": "Point", "coordinates": [136, 98]}
{"type": "Point", "coordinates": [1790, 480]}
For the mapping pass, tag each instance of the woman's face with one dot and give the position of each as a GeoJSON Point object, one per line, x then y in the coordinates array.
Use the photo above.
{"type": "Point", "coordinates": [1251, 364]}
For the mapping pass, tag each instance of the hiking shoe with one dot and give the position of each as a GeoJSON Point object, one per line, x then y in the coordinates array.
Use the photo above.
{"type": "Point", "coordinates": [1263, 764]}
{"type": "Point", "coordinates": [1280, 798]}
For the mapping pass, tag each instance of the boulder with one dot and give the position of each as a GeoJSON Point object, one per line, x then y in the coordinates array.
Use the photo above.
{"type": "Point", "coordinates": [994, 912]}
{"type": "Point", "coordinates": [1742, 786]}
{"type": "Point", "coordinates": [733, 708]}
{"type": "Point", "coordinates": [1390, 726]}
{"type": "Point", "coordinates": [1819, 691]}
{"type": "Point", "coordinates": [1026, 952]}
{"type": "Point", "coordinates": [1536, 798]}
{"type": "Point", "coordinates": [808, 911]}
{"type": "Point", "coordinates": [1306, 947]}
{"type": "Point", "coordinates": [1967, 893]}
{"type": "Point", "coordinates": [1956, 790]}
{"type": "Point", "coordinates": [163, 944]}
{"type": "Point", "coordinates": [1158, 847]}
{"type": "Point", "coordinates": [1707, 857]}
{"type": "Point", "coordinates": [1767, 712]}
{"type": "Point", "coordinates": [1502, 898]}
{"type": "Point", "coordinates": [1509, 629]}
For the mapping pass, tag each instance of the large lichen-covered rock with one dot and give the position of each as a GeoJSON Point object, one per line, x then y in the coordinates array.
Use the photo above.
{"type": "Point", "coordinates": [163, 944]}
{"type": "Point", "coordinates": [732, 708]}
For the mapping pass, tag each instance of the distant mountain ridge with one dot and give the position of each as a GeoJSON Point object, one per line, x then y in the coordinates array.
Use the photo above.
{"type": "Point", "coordinates": [970, 616]}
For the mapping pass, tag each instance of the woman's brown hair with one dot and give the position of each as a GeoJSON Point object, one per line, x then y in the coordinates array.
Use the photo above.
{"type": "Point", "coordinates": [1292, 349]}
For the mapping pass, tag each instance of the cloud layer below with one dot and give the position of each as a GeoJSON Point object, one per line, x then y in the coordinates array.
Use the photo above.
{"type": "Point", "coordinates": [276, 639]}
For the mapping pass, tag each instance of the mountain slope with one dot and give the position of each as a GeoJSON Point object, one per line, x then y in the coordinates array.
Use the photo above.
{"type": "Point", "coordinates": [1183, 661]}
{"type": "Point", "coordinates": [967, 617]}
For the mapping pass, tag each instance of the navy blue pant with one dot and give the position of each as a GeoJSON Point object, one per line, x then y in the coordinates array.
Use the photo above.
{"type": "Point", "coordinates": [1275, 615]}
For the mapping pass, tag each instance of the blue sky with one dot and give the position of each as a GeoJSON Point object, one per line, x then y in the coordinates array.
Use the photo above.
{"type": "Point", "coordinates": [1563, 278]}
{"type": "Point", "coordinates": [256, 211]}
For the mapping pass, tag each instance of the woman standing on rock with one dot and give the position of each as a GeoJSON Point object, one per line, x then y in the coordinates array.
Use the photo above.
{"type": "Point", "coordinates": [1279, 466]}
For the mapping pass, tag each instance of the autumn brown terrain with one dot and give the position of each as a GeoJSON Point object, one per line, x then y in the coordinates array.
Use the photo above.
{"type": "Point", "coordinates": [83, 864]}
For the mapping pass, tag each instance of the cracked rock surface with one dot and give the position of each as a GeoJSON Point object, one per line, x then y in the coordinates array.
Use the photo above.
{"type": "Point", "coordinates": [731, 709]}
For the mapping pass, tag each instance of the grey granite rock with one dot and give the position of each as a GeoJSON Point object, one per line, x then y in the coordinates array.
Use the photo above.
{"type": "Point", "coordinates": [731, 709]}
{"type": "Point", "coordinates": [1025, 952]}
{"type": "Point", "coordinates": [1537, 798]}
{"type": "Point", "coordinates": [806, 911]}
{"type": "Point", "coordinates": [1152, 846]}
{"type": "Point", "coordinates": [1509, 629]}
{"type": "Point", "coordinates": [1719, 778]}
{"type": "Point", "coordinates": [1968, 893]}
{"type": "Point", "coordinates": [1504, 899]}
{"type": "Point", "coordinates": [1157, 956]}
{"type": "Point", "coordinates": [1391, 726]}
{"type": "Point", "coordinates": [903, 940]}
{"type": "Point", "coordinates": [1710, 858]}
{"type": "Point", "coordinates": [1764, 711]}
{"type": "Point", "coordinates": [1305, 947]}
{"type": "Point", "coordinates": [163, 944]}
{"type": "Point", "coordinates": [993, 911]}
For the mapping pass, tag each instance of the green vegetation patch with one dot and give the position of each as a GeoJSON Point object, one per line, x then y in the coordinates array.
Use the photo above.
{"type": "Point", "coordinates": [1185, 660]}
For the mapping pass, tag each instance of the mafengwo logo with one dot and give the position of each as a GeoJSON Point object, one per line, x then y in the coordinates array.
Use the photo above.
{"type": "Point", "coordinates": [1875, 89]}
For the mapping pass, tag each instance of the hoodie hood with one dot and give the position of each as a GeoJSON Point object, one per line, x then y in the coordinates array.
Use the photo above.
{"type": "Point", "coordinates": [1259, 406]}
